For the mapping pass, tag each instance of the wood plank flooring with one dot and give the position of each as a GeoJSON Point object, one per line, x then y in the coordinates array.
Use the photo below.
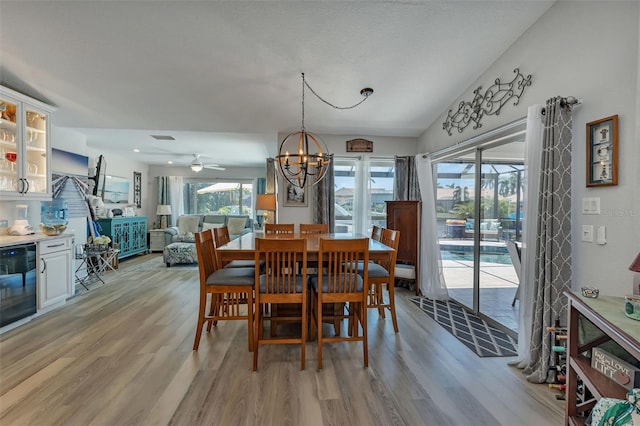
{"type": "Point", "coordinates": [121, 355]}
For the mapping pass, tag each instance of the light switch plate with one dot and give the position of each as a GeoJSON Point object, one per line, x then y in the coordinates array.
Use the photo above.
{"type": "Point", "coordinates": [591, 205]}
{"type": "Point", "coordinates": [587, 233]}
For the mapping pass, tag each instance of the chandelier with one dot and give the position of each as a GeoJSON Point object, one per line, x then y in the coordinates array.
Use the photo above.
{"type": "Point", "coordinates": [303, 160]}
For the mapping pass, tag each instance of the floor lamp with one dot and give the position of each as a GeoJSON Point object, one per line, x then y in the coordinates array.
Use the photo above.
{"type": "Point", "coordinates": [267, 204]}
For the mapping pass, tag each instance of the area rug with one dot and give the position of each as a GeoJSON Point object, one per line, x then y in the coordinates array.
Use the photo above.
{"type": "Point", "coordinates": [472, 331]}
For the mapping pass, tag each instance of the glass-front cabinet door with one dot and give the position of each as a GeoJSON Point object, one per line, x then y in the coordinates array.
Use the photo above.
{"type": "Point", "coordinates": [9, 145]}
{"type": "Point", "coordinates": [35, 151]}
{"type": "Point", "coordinates": [25, 147]}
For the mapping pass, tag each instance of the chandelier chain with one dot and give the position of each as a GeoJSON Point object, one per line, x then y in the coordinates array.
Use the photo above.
{"type": "Point", "coordinates": [304, 82]}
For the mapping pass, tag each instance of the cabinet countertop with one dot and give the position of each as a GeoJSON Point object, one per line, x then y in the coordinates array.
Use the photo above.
{"type": "Point", "coordinates": [10, 240]}
{"type": "Point", "coordinates": [610, 310]}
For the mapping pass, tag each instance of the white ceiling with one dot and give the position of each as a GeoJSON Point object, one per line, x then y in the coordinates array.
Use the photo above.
{"type": "Point", "coordinates": [223, 78]}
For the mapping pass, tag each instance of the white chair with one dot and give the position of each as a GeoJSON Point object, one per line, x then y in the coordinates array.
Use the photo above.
{"type": "Point", "coordinates": [514, 252]}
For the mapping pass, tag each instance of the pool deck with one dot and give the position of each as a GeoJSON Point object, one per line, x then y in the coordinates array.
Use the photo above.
{"type": "Point", "coordinates": [498, 284]}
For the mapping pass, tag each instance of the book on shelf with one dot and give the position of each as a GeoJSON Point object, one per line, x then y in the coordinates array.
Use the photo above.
{"type": "Point", "coordinates": [614, 368]}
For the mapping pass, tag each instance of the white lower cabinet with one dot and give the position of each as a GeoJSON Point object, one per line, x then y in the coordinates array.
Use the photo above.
{"type": "Point", "coordinates": [55, 279]}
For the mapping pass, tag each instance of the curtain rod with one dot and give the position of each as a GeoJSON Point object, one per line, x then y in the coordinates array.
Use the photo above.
{"type": "Point", "coordinates": [569, 100]}
{"type": "Point", "coordinates": [499, 133]}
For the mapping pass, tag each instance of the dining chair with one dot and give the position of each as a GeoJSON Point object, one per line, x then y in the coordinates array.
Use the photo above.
{"type": "Point", "coordinates": [383, 273]}
{"type": "Point", "coordinates": [282, 282]}
{"type": "Point", "coordinates": [221, 237]}
{"type": "Point", "coordinates": [341, 283]}
{"type": "Point", "coordinates": [376, 233]}
{"type": "Point", "coordinates": [314, 228]}
{"type": "Point", "coordinates": [279, 228]}
{"type": "Point", "coordinates": [230, 288]}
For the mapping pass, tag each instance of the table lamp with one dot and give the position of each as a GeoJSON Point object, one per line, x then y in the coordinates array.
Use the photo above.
{"type": "Point", "coordinates": [635, 267]}
{"type": "Point", "coordinates": [163, 210]}
{"type": "Point", "coordinates": [267, 204]}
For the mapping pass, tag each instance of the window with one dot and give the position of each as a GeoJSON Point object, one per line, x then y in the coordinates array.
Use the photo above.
{"type": "Point", "coordinates": [207, 197]}
{"type": "Point", "coordinates": [361, 189]}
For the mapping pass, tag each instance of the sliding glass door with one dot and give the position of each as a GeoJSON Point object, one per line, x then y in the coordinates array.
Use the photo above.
{"type": "Point", "coordinates": [479, 207]}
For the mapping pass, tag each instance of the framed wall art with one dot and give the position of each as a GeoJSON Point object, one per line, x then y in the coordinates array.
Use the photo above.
{"type": "Point", "coordinates": [137, 189]}
{"type": "Point", "coordinates": [295, 196]}
{"type": "Point", "coordinates": [602, 152]}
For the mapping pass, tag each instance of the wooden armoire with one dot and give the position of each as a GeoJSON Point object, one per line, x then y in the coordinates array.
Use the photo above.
{"type": "Point", "coordinates": [404, 216]}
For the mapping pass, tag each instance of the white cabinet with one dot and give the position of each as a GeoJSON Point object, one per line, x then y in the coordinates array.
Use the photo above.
{"type": "Point", "coordinates": [55, 280]}
{"type": "Point", "coordinates": [156, 240]}
{"type": "Point", "coordinates": [25, 147]}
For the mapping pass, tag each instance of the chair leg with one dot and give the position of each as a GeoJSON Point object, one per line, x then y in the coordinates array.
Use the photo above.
{"type": "Point", "coordinates": [212, 311]}
{"type": "Point", "coordinates": [365, 344]}
{"type": "Point", "coordinates": [273, 325]}
{"type": "Point", "coordinates": [392, 305]}
{"type": "Point", "coordinates": [258, 325]}
{"type": "Point", "coordinates": [201, 311]}
{"type": "Point", "coordinates": [250, 319]}
{"type": "Point", "coordinates": [380, 300]}
{"type": "Point", "coordinates": [319, 328]}
{"type": "Point", "coordinates": [303, 338]}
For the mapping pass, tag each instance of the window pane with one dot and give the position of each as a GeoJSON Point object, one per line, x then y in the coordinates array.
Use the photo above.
{"type": "Point", "coordinates": [381, 174]}
{"type": "Point", "coordinates": [344, 175]}
{"type": "Point", "coordinates": [206, 197]}
{"type": "Point", "coordinates": [377, 181]}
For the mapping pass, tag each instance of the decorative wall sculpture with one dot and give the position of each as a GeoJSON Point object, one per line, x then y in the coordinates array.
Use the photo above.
{"type": "Point", "coordinates": [489, 103]}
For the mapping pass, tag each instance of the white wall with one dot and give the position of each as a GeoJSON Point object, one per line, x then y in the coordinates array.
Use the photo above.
{"type": "Point", "coordinates": [589, 50]}
{"type": "Point", "coordinates": [337, 145]}
{"type": "Point", "coordinates": [119, 164]}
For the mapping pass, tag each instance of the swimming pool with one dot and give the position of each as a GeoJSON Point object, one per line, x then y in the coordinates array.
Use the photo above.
{"type": "Point", "coordinates": [500, 258]}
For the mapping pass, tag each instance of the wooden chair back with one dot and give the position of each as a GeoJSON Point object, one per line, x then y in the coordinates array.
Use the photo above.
{"type": "Point", "coordinates": [390, 238]}
{"type": "Point", "coordinates": [340, 260]}
{"type": "Point", "coordinates": [282, 276]}
{"type": "Point", "coordinates": [376, 233]}
{"type": "Point", "coordinates": [314, 228]}
{"type": "Point", "coordinates": [221, 235]}
{"type": "Point", "coordinates": [206, 250]}
{"type": "Point", "coordinates": [279, 228]}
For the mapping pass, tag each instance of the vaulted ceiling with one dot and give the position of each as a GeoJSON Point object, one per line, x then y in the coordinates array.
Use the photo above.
{"type": "Point", "coordinates": [223, 77]}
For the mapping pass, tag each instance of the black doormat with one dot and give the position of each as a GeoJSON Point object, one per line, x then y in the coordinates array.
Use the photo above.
{"type": "Point", "coordinates": [474, 332]}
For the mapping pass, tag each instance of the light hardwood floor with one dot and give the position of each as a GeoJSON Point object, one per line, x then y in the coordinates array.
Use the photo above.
{"type": "Point", "coordinates": [121, 355]}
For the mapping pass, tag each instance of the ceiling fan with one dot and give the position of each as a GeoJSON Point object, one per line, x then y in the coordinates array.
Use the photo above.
{"type": "Point", "coordinates": [197, 164]}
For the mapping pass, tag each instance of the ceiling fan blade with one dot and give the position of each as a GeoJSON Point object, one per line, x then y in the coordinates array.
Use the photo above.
{"type": "Point", "coordinates": [214, 167]}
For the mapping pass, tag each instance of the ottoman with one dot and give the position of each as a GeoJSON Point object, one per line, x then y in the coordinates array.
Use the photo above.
{"type": "Point", "coordinates": [179, 253]}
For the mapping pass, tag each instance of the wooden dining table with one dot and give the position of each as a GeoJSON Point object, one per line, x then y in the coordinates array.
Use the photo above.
{"type": "Point", "coordinates": [243, 248]}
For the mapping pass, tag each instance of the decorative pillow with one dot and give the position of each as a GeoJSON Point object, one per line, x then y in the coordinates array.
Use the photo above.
{"type": "Point", "coordinates": [207, 225]}
{"type": "Point", "coordinates": [236, 225]}
{"type": "Point", "coordinates": [188, 224]}
{"type": "Point", "coordinates": [185, 238]}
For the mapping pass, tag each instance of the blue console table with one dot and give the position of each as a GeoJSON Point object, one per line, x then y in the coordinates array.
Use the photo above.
{"type": "Point", "coordinates": [129, 232]}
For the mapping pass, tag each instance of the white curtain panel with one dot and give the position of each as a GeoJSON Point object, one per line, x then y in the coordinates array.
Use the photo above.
{"type": "Point", "coordinates": [175, 197]}
{"type": "Point", "coordinates": [362, 198]}
{"type": "Point", "coordinates": [431, 279]}
{"type": "Point", "coordinates": [532, 164]}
